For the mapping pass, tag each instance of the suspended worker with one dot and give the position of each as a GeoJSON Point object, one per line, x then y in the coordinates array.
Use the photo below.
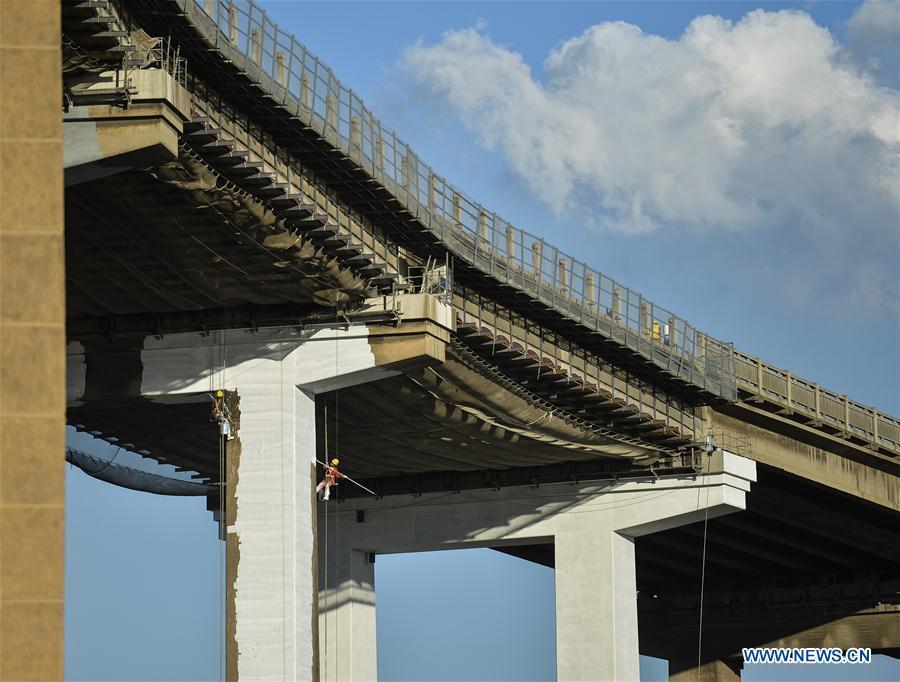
{"type": "Point", "coordinates": [331, 477]}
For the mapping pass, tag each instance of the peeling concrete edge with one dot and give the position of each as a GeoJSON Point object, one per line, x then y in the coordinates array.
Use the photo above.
{"type": "Point", "coordinates": [232, 538]}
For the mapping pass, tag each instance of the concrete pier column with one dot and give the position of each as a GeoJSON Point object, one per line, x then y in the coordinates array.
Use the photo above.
{"type": "Point", "coordinates": [270, 544]}
{"type": "Point", "coordinates": [347, 650]}
{"type": "Point", "coordinates": [596, 606]}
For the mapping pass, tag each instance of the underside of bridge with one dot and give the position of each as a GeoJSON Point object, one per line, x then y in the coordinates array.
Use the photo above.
{"type": "Point", "coordinates": [181, 225]}
{"type": "Point", "coordinates": [435, 428]}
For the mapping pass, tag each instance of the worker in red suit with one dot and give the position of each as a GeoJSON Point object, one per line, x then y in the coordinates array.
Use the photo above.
{"type": "Point", "coordinates": [331, 478]}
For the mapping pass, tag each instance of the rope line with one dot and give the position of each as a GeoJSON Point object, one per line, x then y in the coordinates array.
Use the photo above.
{"type": "Point", "coordinates": [337, 450]}
{"type": "Point", "coordinates": [703, 568]}
{"type": "Point", "coordinates": [325, 648]}
{"type": "Point", "coordinates": [107, 464]}
{"type": "Point", "coordinates": [284, 630]}
{"type": "Point", "coordinates": [223, 522]}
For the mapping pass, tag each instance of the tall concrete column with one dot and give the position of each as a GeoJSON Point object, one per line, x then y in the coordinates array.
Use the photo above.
{"type": "Point", "coordinates": [346, 607]}
{"type": "Point", "coordinates": [596, 607]}
{"type": "Point", "coordinates": [270, 542]}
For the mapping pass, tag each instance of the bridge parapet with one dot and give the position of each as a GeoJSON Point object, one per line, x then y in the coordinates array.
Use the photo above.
{"type": "Point", "coordinates": [815, 405]}
{"type": "Point", "coordinates": [307, 90]}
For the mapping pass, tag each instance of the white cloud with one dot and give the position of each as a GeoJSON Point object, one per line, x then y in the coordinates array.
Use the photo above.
{"type": "Point", "coordinates": [873, 35]}
{"type": "Point", "coordinates": [760, 123]}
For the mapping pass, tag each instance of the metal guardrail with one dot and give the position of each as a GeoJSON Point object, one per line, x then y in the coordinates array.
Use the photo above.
{"type": "Point", "coordinates": [821, 406]}
{"type": "Point", "coordinates": [575, 362]}
{"type": "Point", "coordinates": [307, 89]}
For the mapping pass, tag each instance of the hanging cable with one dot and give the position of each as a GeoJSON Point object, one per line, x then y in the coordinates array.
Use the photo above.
{"type": "Point", "coordinates": [221, 409]}
{"type": "Point", "coordinates": [709, 452]}
{"type": "Point", "coordinates": [337, 450]}
{"type": "Point", "coordinates": [325, 648]}
{"type": "Point", "coordinates": [107, 465]}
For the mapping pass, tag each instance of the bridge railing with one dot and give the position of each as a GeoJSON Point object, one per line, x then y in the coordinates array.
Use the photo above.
{"type": "Point", "coordinates": [821, 406]}
{"type": "Point", "coordinates": [575, 363]}
{"type": "Point", "coordinates": [307, 88]}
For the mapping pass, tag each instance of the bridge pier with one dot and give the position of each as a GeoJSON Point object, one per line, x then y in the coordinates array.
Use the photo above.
{"type": "Point", "coordinates": [596, 613]}
{"type": "Point", "coordinates": [591, 525]}
{"type": "Point", "coordinates": [270, 381]}
{"type": "Point", "coordinates": [346, 617]}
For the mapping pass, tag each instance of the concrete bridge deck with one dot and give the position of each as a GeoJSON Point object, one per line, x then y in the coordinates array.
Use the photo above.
{"type": "Point", "coordinates": [237, 220]}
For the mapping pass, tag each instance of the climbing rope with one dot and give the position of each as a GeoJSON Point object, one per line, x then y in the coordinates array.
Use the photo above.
{"type": "Point", "coordinates": [709, 451]}
{"type": "Point", "coordinates": [325, 648]}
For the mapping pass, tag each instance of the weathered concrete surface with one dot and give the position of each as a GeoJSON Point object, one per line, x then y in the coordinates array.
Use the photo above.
{"type": "Point", "coordinates": [592, 525]}
{"type": "Point", "coordinates": [101, 140]}
{"type": "Point", "coordinates": [714, 671]}
{"type": "Point", "coordinates": [816, 464]}
{"type": "Point", "coordinates": [32, 343]}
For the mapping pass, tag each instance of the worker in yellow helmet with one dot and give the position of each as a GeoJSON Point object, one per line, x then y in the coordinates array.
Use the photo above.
{"type": "Point", "coordinates": [331, 477]}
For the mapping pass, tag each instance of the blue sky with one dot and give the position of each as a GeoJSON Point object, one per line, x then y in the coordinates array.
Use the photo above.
{"type": "Point", "coordinates": [774, 233]}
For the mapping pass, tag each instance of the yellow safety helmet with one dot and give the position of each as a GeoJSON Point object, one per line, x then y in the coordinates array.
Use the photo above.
{"type": "Point", "coordinates": [335, 461]}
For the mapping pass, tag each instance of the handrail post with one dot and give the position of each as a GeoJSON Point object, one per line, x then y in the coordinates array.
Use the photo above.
{"type": "Point", "coordinates": [305, 92]}
{"type": "Point", "coordinates": [355, 132]}
{"type": "Point", "coordinates": [875, 426]}
{"type": "Point", "coordinates": [483, 230]}
{"type": "Point", "coordinates": [404, 171]}
{"type": "Point", "coordinates": [788, 378]}
{"type": "Point", "coordinates": [759, 376]}
{"type": "Point", "coordinates": [847, 413]}
{"type": "Point", "coordinates": [280, 70]}
{"type": "Point", "coordinates": [379, 155]}
{"type": "Point", "coordinates": [818, 399]}
{"type": "Point", "coordinates": [233, 23]}
{"type": "Point", "coordinates": [256, 40]}
{"type": "Point", "coordinates": [432, 191]}
{"type": "Point", "coordinates": [331, 111]}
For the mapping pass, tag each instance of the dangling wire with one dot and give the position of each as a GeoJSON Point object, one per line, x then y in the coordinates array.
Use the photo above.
{"type": "Point", "coordinates": [107, 464]}
{"type": "Point", "coordinates": [325, 649]}
{"type": "Point", "coordinates": [709, 451]}
{"type": "Point", "coordinates": [220, 411]}
{"type": "Point", "coordinates": [223, 534]}
{"type": "Point", "coordinates": [336, 453]}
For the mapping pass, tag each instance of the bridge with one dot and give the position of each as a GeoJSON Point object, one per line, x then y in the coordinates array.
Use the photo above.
{"type": "Point", "coordinates": [259, 276]}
